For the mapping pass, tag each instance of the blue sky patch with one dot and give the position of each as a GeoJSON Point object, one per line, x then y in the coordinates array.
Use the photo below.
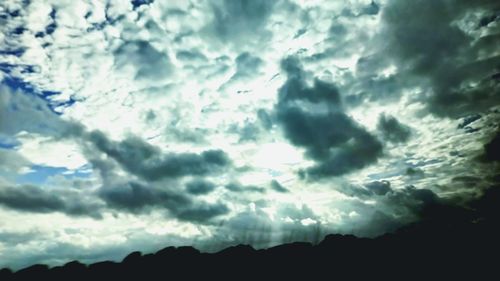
{"type": "Point", "coordinates": [40, 174]}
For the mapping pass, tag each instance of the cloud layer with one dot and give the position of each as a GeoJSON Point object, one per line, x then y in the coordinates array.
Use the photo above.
{"type": "Point", "coordinates": [138, 124]}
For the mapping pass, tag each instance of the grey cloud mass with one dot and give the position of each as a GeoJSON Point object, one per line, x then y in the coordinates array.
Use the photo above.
{"type": "Point", "coordinates": [392, 129]}
{"type": "Point", "coordinates": [463, 81]}
{"type": "Point", "coordinates": [29, 198]}
{"type": "Point", "coordinates": [137, 197]}
{"type": "Point", "coordinates": [276, 186]}
{"type": "Point", "coordinates": [147, 161]}
{"type": "Point", "coordinates": [335, 141]}
{"type": "Point", "coordinates": [238, 187]}
{"type": "Point", "coordinates": [200, 187]}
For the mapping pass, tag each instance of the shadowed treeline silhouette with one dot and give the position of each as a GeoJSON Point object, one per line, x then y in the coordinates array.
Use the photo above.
{"type": "Point", "coordinates": [429, 249]}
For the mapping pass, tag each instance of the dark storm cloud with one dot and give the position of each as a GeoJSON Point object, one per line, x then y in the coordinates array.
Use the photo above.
{"type": "Point", "coordinates": [396, 207]}
{"type": "Point", "coordinates": [147, 161]}
{"type": "Point", "coordinates": [413, 198]}
{"type": "Point", "coordinates": [140, 159]}
{"type": "Point", "coordinates": [202, 212]}
{"type": "Point", "coordinates": [414, 172]}
{"type": "Point", "coordinates": [392, 130]}
{"type": "Point", "coordinates": [335, 141]}
{"type": "Point", "coordinates": [135, 156]}
{"type": "Point", "coordinates": [379, 187]}
{"type": "Point", "coordinates": [276, 186]}
{"type": "Point", "coordinates": [137, 197]}
{"type": "Point", "coordinates": [134, 197]}
{"type": "Point", "coordinates": [368, 190]}
{"type": "Point", "coordinates": [438, 212]}
{"type": "Point", "coordinates": [466, 121]}
{"type": "Point", "coordinates": [200, 187]}
{"type": "Point", "coordinates": [404, 206]}
{"type": "Point", "coordinates": [429, 47]}
{"type": "Point", "coordinates": [238, 187]}
{"type": "Point", "coordinates": [30, 198]}
{"type": "Point", "coordinates": [467, 181]}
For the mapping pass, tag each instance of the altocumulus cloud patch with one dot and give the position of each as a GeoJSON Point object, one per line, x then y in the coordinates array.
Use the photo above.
{"type": "Point", "coordinates": [140, 124]}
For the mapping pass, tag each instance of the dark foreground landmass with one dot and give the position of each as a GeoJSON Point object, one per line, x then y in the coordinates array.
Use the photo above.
{"type": "Point", "coordinates": [468, 250]}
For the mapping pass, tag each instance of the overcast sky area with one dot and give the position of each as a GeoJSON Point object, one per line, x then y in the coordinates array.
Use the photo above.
{"type": "Point", "coordinates": [135, 125]}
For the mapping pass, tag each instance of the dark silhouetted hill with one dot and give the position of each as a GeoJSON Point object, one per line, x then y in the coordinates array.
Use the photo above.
{"type": "Point", "coordinates": [425, 250]}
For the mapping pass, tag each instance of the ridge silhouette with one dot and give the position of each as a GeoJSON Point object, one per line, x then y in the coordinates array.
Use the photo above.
{"type": "Point", "coordinates": [429, 249]}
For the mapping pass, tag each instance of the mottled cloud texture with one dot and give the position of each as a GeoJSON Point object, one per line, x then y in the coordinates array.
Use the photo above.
{"type": "Point", "coordinates": [132, 125]}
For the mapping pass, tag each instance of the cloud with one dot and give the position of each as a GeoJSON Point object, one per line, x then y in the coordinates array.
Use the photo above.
{"type": "Point", "coordinates": [129, 99]}
{"type": "Point", "coordinates": [12, 162]}
{"type": "Point", "coordinates": [30, 198]}
{"type": "Point", "coordinates": [379, 187]}
{"type": "Point", "coordinates": [137, 3]}
{"type": "Point", "coordinates": [455, 61]}
{"type": "Point", "coordinates": [147, 161]}
{"type": "Point", "coordinates": [23, 111]}
{"type": "Point", "coordinates": [138, 158]}
{"type": "Point", "coordinates": [276, 186]}
{"type": "Point", "coordinates": [264, 118]}
{"type": "Point", "coordinates": [369, 190]}
{"type": "Point", "coordinates": [406, 206]}
{"type": "Point", "coordinates": [392, 129]}
{"type": "Point", "coordinates": [200, 187]}
{"type": "Point", "coordinates": [148, 62]}
{"type": "Point", "coordinates": [186, 55]}
{"type": "Point", "coordinates": [136, 197]}
{"type": "Point", "coordinates": [202, 212]}
{"type": "Point", "coordinates": [16, 238]}
{"type": "Point", "coordinates": [241, 21]}
{"type": "Point", "coordinates": [238, 187]}
{"type": "Point", "coordinates": [414, 172]}
{"type": "Point", "coordinates": [312, 117]}
{"type": "Point", "coordinates": [253, 226]}
{"type": "Point", "coordinates": [247, 65]}
{"type": "Point", "coordinates": [247, 132]}
{"type": "Point", "coordinates": [466, 121]}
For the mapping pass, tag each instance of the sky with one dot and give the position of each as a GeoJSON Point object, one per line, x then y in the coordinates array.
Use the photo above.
{"type": "Point", "coordinates": [135, 125]}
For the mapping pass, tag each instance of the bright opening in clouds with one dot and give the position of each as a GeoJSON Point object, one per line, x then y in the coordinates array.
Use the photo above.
{"type": "Point", "coordinates": [130, 125]}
